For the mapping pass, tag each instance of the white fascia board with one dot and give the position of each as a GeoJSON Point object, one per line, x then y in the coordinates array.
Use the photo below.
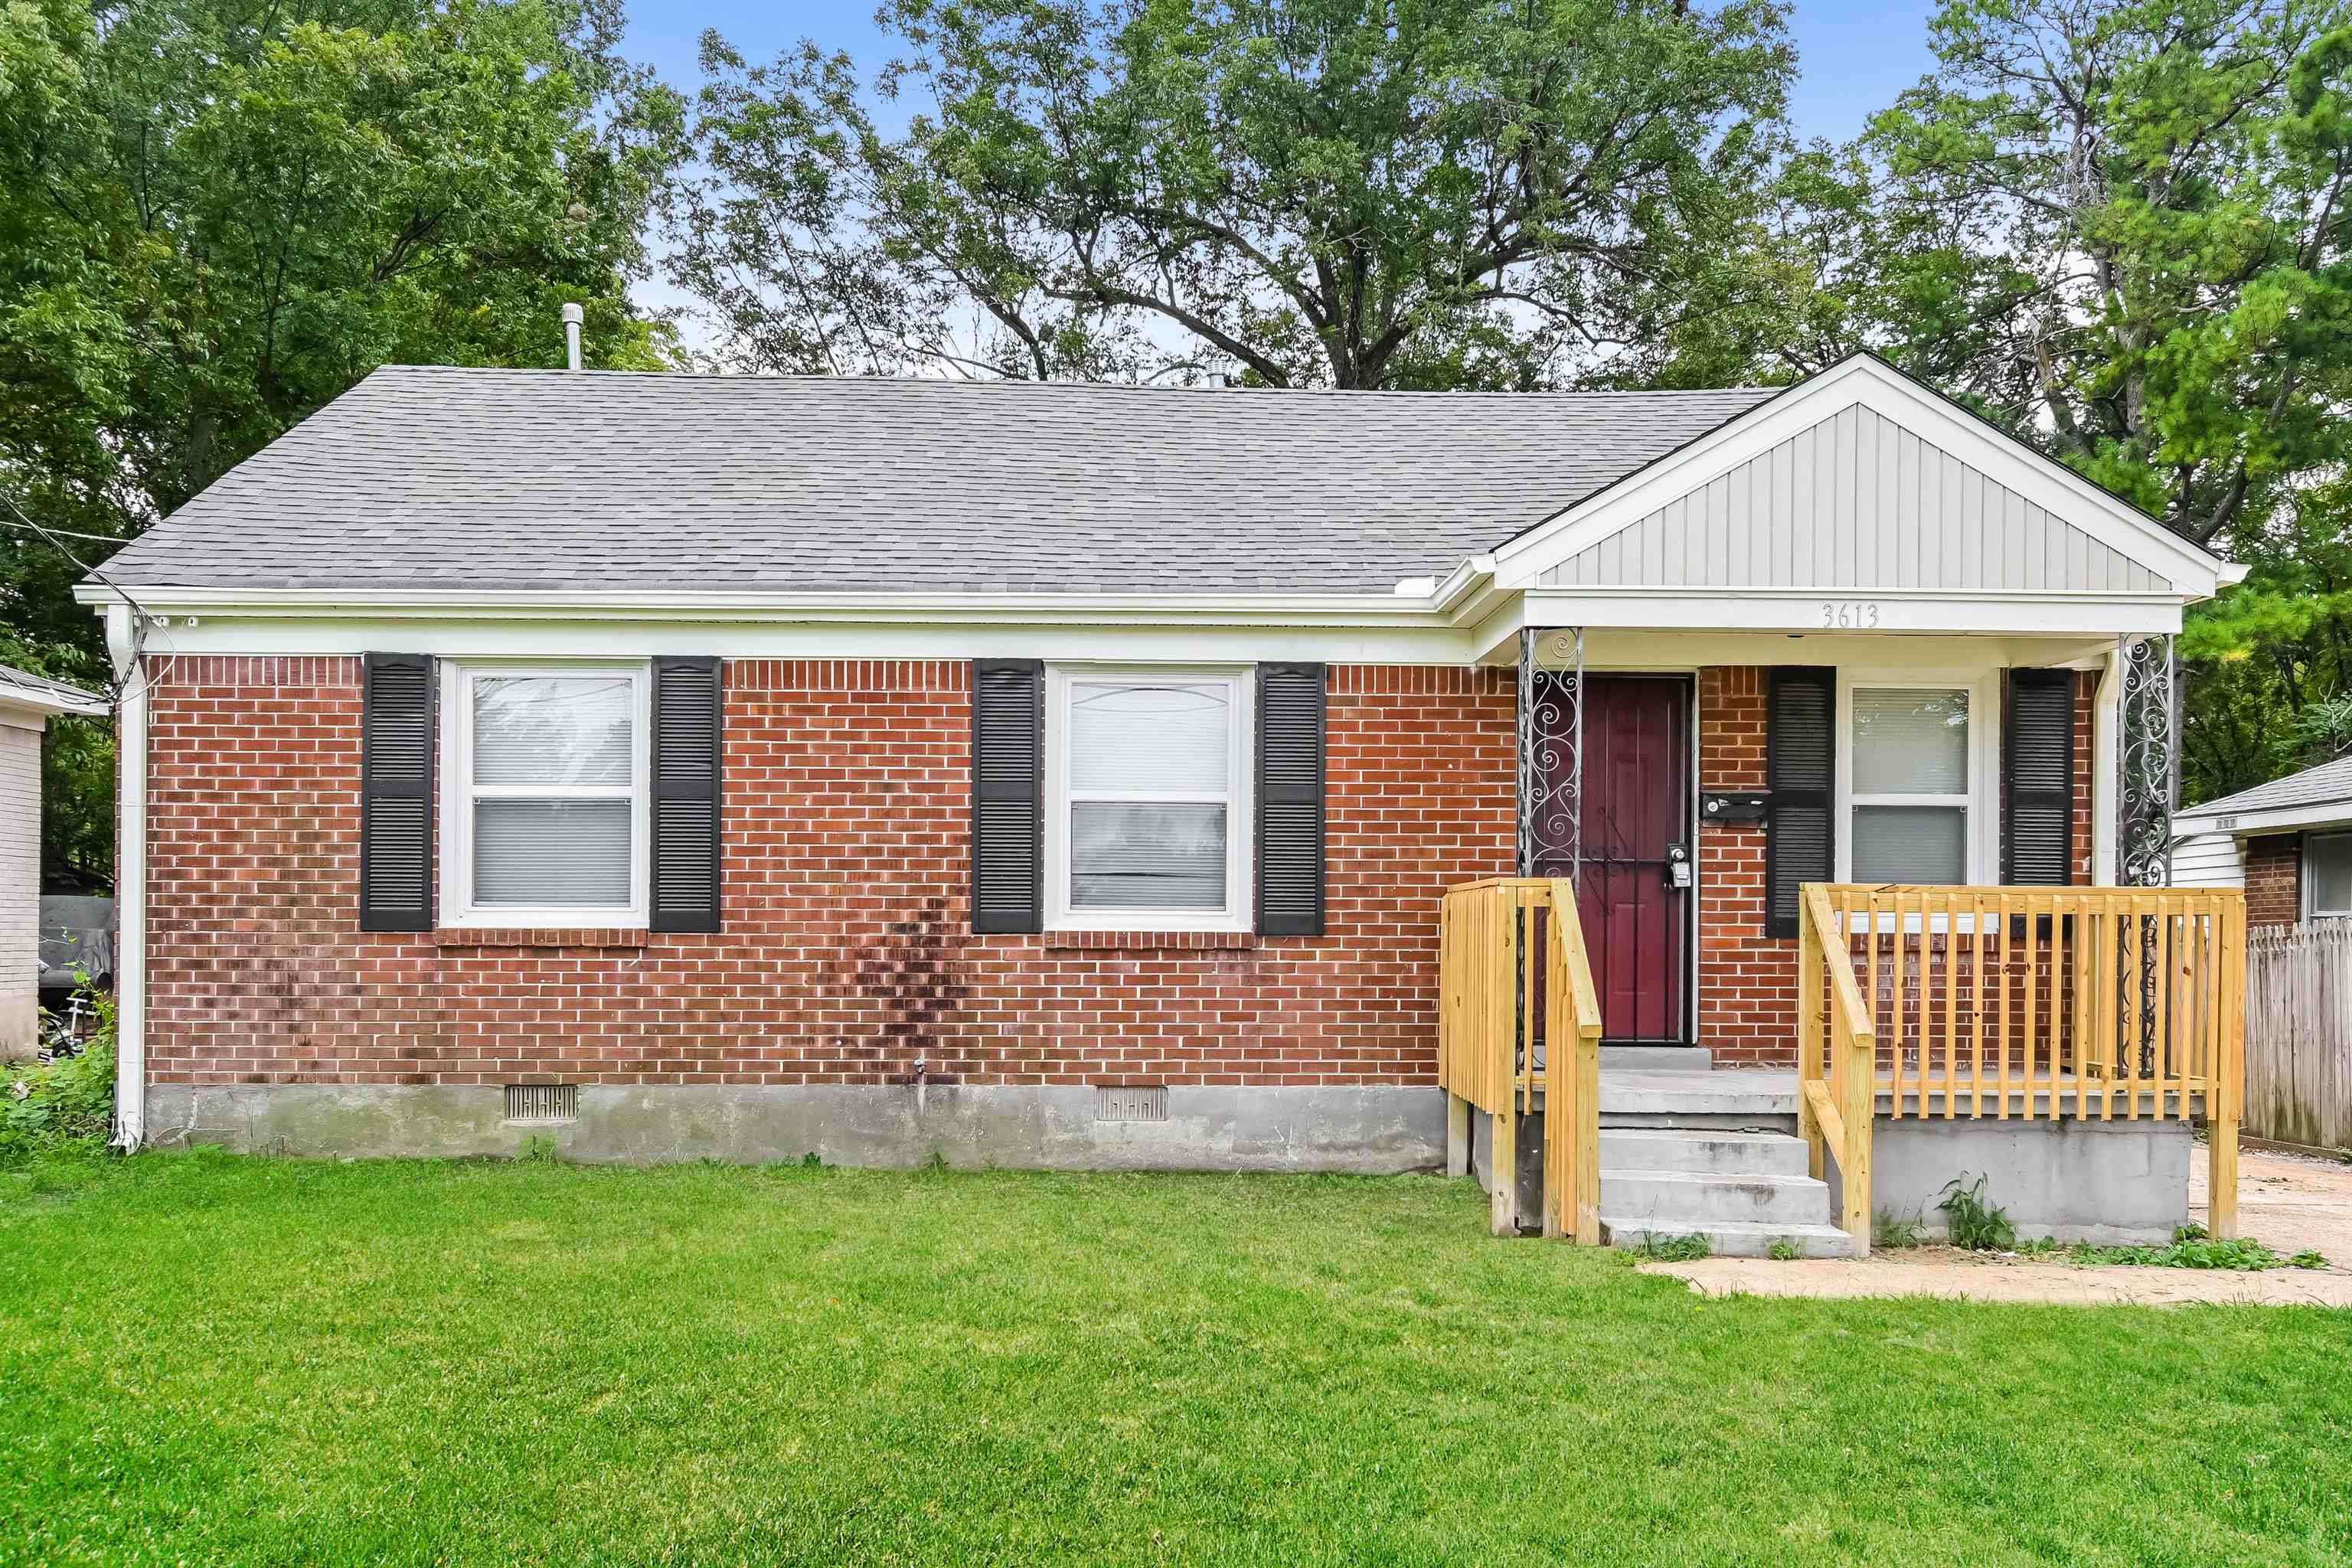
{"type": "Point", "coordinates": [2278, 819]}
{"type": "Point", "coordinates": [591, 635]}
{"type": "Point", "coordinates": [1862, 380]}
{"type": "Point", "coordinates": [1229, 609]}
{"type": "Point", "coordinates": [2024, 612]}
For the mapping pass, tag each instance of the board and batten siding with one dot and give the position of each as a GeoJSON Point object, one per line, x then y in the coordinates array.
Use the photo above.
{"type": "Point", "coordinates": [2207, 860]}
{"type": "Point", "coordinates": [1855, 501]}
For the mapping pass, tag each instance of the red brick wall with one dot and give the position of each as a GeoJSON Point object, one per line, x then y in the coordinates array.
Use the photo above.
{"type": "Point", "coordinates": [1746, 980]}
{"type": "Point", "coordinates": [2275, 879]}
{"type": "Point", "coordinates": [846, 953]}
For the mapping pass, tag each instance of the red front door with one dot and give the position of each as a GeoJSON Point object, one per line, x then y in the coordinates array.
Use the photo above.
{"type": "Point", "coordinates": [1635, 842]}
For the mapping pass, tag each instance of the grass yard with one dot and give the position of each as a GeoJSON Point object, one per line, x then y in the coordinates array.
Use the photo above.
{"type": "Point", "coordinates": [205, 1359]}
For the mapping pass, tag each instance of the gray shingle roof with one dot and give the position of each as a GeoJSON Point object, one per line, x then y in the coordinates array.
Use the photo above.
{"type": "Point", "coordinates": [2329, 784]}
{"type": "Point", "coordinates": [24, 686]}
{"type": "Point", "coordinates": [436, 477]}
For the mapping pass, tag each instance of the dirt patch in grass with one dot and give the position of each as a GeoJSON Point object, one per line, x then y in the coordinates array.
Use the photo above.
{"type": "Point", "coordinates": [2289, 1203]}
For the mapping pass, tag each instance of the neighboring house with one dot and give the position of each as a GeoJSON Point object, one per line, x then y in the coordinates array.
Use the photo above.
{"type": "Point", "coordinates": [1060, 774]}
{"type": "Point", "coordinates": [27, 703]}
{"type": "Point", "coordinates": [2288, 843]}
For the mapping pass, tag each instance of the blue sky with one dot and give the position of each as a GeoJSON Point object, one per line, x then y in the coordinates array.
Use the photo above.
{"type": "Point", "coordinates": [1854, 56]}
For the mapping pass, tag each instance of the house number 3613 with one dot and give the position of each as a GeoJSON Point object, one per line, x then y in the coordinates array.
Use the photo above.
{"type": "Point", "coordinates": [1850, 615]}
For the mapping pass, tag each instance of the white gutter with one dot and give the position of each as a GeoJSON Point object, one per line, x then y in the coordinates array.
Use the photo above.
{"type": "Point", "coordinates": [130, 884]}
{"type": "Point", "coordinates": [1430, 611]}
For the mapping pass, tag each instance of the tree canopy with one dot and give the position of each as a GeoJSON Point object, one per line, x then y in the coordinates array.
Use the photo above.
{"type": "Point", "coordinates": [1345, 193]}
{"type": "Point", "coordinates": [216, 215]}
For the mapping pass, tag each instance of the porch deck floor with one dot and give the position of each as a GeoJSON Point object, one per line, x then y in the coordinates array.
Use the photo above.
{"type": "Point", "coordinates": [1772, 1092]}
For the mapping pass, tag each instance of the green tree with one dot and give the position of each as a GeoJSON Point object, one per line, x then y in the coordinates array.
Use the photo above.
{"type": "Point", "coordinates": [1439, 193]}
{"type": "Point", "coordinates": [217, 215]}
{"type": "Point", "coordinates": [2120, 230]}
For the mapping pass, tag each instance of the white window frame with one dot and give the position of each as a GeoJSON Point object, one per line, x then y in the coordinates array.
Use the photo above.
{"type": "Point", "coordinates": [1979, 806]}
{"type": "Point", "coordinates": [2310, 909]}
{"type": "Point", "coordinates": [1240, 913]}
{"type": "Point", "coordinates": [457, 794]}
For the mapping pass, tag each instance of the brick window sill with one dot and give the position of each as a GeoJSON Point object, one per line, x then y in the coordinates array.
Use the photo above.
{"type": "Point", "coordinates": [1152, 941]}
{"type": "Point", "coordinates": [539, 936]}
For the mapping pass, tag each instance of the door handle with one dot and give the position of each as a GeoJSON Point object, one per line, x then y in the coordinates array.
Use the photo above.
{"type": "Point", "coordinates": [1678, 866]}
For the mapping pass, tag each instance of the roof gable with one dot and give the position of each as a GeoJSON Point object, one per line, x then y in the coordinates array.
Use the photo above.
{"type": "Point", "coordinates": [1854, 501]}
{"type": "Point", "coordinates": [1859, 478]}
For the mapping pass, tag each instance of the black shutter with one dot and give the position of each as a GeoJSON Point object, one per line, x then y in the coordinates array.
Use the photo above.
{"type": "Point", "coordinates": [1290, 710]}
{"type": "Point", "coordinates": [1008, 795]}
{"type": "Point", "coordinates": [396, 744]}
{"type": "Point", "coordinates": [1800, 768]}
{"type": "Point", "coordinates": [2038, 782]}
{"type": "Point", "coordinates": [688, 727]}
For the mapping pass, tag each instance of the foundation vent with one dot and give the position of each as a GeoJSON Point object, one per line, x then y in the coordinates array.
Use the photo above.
{"type": "Point", "coordinates": [543, 1102]}
{"type": "Point", "coordinates": [1131, 1104]}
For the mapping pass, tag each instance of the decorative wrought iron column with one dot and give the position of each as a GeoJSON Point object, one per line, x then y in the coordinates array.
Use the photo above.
{"type": "Point", "coordinates": [1551, 752]}
{"type": "Point", "coordinates": [2149, 731]}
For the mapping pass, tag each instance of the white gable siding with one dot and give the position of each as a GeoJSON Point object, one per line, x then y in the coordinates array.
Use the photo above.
{"type": "Point", "coordinates": [2207, 860]}
{"type": "Point", "coordinates": [1855, 501]}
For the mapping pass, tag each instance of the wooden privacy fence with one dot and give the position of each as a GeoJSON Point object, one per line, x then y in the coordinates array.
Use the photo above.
{"type": "Point", "coordinates": [2299, 1034]}
{"type": "Point", "coordinates": [1515, 989]}
{"type": "Point", "coordinates": [2113, 1002]}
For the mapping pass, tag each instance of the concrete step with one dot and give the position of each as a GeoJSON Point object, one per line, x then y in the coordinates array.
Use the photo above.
{"type": "Point", "coordinates": [1729, 1239]}
{"type": "Point", "coordinates": [1731, 1100]}
{"type": "Point", "coordinates": [1692, 1198]}
{"type": "Point", "coordinates": [1705, 1151]}
{"type": "Point", "coordinates": [1656, 1058]}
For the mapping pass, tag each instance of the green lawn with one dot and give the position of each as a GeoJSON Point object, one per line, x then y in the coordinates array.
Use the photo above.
{"type": "Point", "coordinates": [215, 1360]}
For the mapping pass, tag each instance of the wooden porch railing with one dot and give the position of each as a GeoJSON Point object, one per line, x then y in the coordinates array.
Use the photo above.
{"type": "Point", "coordinates": [1518, 1016]}
{"type": "Point", "coordinates": [2021, 1003]}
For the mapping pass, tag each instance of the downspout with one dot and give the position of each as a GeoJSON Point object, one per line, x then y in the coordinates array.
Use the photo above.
{"type": "Point", "coordinates": [129, 881]}
{"type": "Point", "coordinates": [2106, 768]}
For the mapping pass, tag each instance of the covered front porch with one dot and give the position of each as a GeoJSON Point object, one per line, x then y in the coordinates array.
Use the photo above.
{"type": "Point", "coordinates": [2060, 1043]}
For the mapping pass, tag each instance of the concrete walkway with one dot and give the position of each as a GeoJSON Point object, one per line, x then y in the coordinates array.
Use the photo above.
{"type": "Point", "coordinates": [2286, 1202]}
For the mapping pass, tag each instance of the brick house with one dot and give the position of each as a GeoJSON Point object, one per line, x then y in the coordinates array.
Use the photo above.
{"type": "Point", "coordinates": [2288, 843]}
{"type": "Point", "coordinates": [1059, 774]}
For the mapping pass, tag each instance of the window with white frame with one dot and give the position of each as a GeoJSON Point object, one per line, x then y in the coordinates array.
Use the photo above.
{"type": "Point", "coordinates": [1914, 775]}
{"type": "Point", "coordinates": [2327, 874]}
{"type": "Point", "coordinates": [544, 795]}
{"type": "Point", "coordinates": [1149, 781]}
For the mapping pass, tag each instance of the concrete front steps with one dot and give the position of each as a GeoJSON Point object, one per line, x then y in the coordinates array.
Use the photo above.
{"type": "Point", "coordinates": [1744, 1190]}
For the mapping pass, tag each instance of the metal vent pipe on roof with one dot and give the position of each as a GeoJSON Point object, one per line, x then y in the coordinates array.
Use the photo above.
{"type": "Point", "coordinates": [573, 316]}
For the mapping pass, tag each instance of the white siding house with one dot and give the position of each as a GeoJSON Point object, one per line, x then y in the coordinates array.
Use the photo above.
{"type": "Point", "coordinates": [2207, 860]}
{"type": "Point", "coordinates": [27, 702]}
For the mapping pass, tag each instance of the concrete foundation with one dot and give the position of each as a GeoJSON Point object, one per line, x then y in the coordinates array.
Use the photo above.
{"type": "Point", "coordinates": [1366, 1130]}
{"type": "Point", "coordinates": [2106, 1182]}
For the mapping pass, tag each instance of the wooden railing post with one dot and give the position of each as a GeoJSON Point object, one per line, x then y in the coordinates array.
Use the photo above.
{"type": "Point", "coordinates": [1572, 1077]}
{"type": "Point", "coordinates": [2225, 1086]}
{"type": "Point", "coordinates": [1851, 1100]}
{"type": "Point", "coordinates": [1809, 1042]}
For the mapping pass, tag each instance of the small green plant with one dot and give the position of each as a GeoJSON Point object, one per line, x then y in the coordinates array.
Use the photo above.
{"type": "Point", "coordinates": [2309, 1258]}
{"type": "Point", "coordinates": [64, 1106]}
{"type": "Point", "coordinates": [809, 1162]}
{"type": "Point", "coordinates": [1674, 1249]}
{"type": "Point", "coordinates": [1973, 1221]}
{"type": "Point", "coordinates": [539, 1149]}
{"type": "Point", "coordinates": [1784, 1250]}
{"type": "Point", "coordinates": [1892, 1232]}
